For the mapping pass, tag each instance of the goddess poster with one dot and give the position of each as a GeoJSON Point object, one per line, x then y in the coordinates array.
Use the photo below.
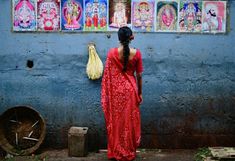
{"type": "Point", "coordinates": [119, 14]}
{"type": "Point", "coordinates": [190, 16]}
{"type": "Point", "coordinates": [214, 16]}
{"type": "Point", "coordinates": [142, 16]}
{"type": "Point", "coordinates": [48, 15]}
{"type": "Point", "coordinates": [24, 15]}
{"type": "Point", "coordinates": [96, 15]}
{"type": "Point", "coordinates": [167, 17]}
{"type": "Point", "coordinates": [72, 14]}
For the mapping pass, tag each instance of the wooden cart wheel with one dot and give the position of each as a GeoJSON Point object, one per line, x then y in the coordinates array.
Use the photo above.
{"type": "Point", "coordinates": [22, 130]}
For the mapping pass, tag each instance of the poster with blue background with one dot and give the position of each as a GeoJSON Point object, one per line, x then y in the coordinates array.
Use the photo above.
{"type": "Point", "coordinates": [72, 15]}
{"type": "Point", "coordinates": [96, 14]}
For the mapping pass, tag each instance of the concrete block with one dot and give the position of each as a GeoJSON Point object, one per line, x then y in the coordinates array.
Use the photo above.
{"type": "Point", "coordinates": [77, 141]}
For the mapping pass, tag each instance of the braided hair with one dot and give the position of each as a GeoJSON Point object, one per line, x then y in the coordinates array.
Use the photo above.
{"type": "Point", "coordinates": [125, 36]}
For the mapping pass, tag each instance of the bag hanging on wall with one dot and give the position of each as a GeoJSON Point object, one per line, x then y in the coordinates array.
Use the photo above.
{"type": "Point", "coordinates": [94, 67]}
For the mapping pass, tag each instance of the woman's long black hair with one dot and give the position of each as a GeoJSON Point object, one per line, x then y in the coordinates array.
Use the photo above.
{"type": "Point", "coordinates": [125, 35]}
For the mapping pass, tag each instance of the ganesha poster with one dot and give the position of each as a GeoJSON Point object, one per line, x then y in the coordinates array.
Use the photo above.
{"type": "Point", "coordinates": [119, 14]}
{"type": "Point", "coordinates": [214, 16]}
{"type": "Point", "coordinates": [72, 14]}
{"type": "Point", "coordinates": [48, 15]}
{"type": "Point", "coordinates": [142, 16]}
{"type": "Point", "coordinates": [96, 14]}
{"type": "Point", "coordinates": [167, 15]}
{"type": "Point", "coordinates": [24, 15]}
{"type": "Point", "coordinates": [190, 16]}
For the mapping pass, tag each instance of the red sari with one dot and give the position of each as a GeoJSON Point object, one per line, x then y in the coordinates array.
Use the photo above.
{"type": "Point", "coordinates": [120, 101]}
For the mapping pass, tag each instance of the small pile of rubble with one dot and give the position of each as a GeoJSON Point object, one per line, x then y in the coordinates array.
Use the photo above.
{"type": "Point", "coordinates": [221, 153]}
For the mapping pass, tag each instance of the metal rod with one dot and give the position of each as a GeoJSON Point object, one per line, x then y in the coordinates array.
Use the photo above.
{"type": "Point", "coordinates": [16, 138]}
{"type": "Point", "coordinates": [15, 121]}
{"type": "Point", "coordinates": [30, 134]}
{"type": "Point", "coordinates": [27, 138]}
{"type": "Point", "coordinates": [35, 123]}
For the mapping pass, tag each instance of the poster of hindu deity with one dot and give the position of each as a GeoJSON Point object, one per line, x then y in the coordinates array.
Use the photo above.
{"type": "Point", "coordinates": [190, 16]}
{"type": "Point", "coordinates": [96, 15]}
{"type": "Point", "coordinates": [48, 15]}
{"type": "Point", "coordinates": [142, 15]}
{"type": "Point", "coordinates": [72, 15]}
{"type": "Point", "coordinates": [214, 16]}
{"type": "Point", "coordinates": [167, 15]}
{"type": "Point", "coordinates": [119, 14]}
{"type": "Point", "coordinates": [24, 15]}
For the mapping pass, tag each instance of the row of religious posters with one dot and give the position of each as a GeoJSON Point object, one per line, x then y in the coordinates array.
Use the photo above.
{"type": "Point", "coordinates": [109, 15]}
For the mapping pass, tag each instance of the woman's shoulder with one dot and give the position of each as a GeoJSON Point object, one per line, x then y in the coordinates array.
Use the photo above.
{"type": "Point", "coordinates": [135, 51]}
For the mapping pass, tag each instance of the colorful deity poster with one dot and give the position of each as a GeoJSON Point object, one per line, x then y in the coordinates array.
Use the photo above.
{"type": "Point", "coordinates": [214, 16]}
{"type": "Point", "coordinates": [167, 15]}
{"type": "Point", "coordinates": [96, 15]}
{"type": "Point", "coordinates": [143, 12]}
{"type": "Point", "coordinates": [72, 14]}
{"type": "Point", "coordinates": [190, 16]}
{"type": "Point", "coordinates": [24, 15]}
{"type": "Point", "coordinates": [48, 15]}
{"type": "Point", "coordinates": [119, 14]}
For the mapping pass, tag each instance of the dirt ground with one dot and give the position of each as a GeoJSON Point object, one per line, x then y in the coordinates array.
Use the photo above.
{"type": "Point", "coordinates": [142, 155]}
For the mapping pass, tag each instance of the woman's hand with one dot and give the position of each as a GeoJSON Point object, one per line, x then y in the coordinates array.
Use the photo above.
{"type": "Point", "coordinates": [139, 84]}
{"type": "Point", "coordinates": [141, 99]}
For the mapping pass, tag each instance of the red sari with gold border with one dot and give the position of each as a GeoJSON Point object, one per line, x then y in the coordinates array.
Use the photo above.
{"type": "Point", "coordinates": [120, 104]}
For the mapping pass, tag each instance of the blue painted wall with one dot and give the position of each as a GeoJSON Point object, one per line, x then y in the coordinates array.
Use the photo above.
{"type": "Point", "coordinates": [188, 88]}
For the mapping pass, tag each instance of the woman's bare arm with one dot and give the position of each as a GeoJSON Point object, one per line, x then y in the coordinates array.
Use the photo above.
{"type": "Point", "coordinates": [139, 85]}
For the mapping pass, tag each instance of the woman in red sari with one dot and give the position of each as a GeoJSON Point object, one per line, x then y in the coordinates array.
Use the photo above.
{"type": "Point", "coordinates": [121, 95]}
